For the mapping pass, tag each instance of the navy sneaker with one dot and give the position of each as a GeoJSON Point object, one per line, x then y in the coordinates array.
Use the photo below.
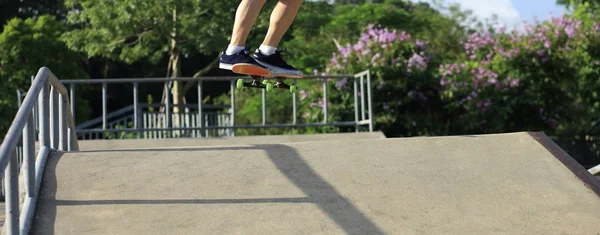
{"type": "Point", "coordinates": [276, 64]}
{"type": "Point", "coordinates": [242, 63]}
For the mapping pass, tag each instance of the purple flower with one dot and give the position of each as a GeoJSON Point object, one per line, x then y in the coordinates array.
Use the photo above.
{"type": "Point", "coordinates": [547, 44]}
{"type": "Point", "coordinates": [303, 94]}
{"type": "Point", "coordinates": [569, 31]}
{"type": "Point", "coordinates": [419, 44]}
{"type": "Point", "coordinates": [341, 83]}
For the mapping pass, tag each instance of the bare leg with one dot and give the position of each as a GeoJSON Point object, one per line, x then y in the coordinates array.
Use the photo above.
{"type": "Point", "coordinates": [281, 19]}
{"type": "Point", "coordinates": [245, 17]}
{"type": "Point", "coordinates": [236, 57]}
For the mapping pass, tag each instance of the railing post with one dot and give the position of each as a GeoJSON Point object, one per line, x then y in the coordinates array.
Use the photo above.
{"type": "Point", "coordinates": [19, 98]}
{"type": "Point", "coordinates": [232, 119]}
{"type": "Point", "coordinates": [104, 87]}
{"type": "Point", "coordinates": [29, 154]}
{"type": "Point", "coordinates": [43, 113]}
{"type": "Point", "coordinates": [12, 195]}
{"type": "Point", "coordinates": [72, 100]}
{"type": "Point", "coordinates": [370, 101]}
{"type": "Point", "coordinates": [62, 122]}
{"type": "Point", "coordinates": [264, 107]}
{"type": "Point", "coordinates": [325, 116]}
{"type": "Point", "coordinates": [36, 111]}
{"type": "Point", "coordinates": [54, 109]}
{"type": "Point", "coordinates": [356, 104]}
{"type": "Point", "coordinates": [362, 97]}
{"type": "Point", "coordinates": [200, 113]}
{"type": "Point", "coordinates": [294, 105]}
{"type": "Point", "coordinates": [136, 114]}
{"type": "Point", "coordinates": [167, 108]}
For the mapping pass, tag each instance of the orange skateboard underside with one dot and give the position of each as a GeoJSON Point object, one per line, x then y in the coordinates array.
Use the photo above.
{"type": "Point", "coordinates": [250, 69]}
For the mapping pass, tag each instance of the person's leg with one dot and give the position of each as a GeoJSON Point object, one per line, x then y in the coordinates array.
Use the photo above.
{"type": "Point", "coordinates": [281, 18]}
{"type": "Point", "coordinates": [245, 17]}
{"type": "Point", "coordinates": [236, 53]}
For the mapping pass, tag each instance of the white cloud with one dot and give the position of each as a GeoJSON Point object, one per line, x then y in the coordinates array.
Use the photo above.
{"type": "Point", "coordinates": [504, 9]}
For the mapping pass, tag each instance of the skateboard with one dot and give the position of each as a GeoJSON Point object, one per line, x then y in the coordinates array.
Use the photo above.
{"type": "Point", "coordinates": [259, 77]}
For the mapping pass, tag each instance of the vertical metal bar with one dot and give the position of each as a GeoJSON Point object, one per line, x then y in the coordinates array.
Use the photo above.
{"type": "Point", "coordinates": [36, 110]}
{"type": "Point", "coordinates": [72, 99]}
{"type": "Point", "coordinates": [232, 118]}
{"type": "Point", "coordinates": [325, 108]}
{"type": "Point", "coordinates": [145, 120]}
{"type": "Point", "coordinates": [136, 123]}
{"type": "Point", "coordinates": [29, 154]}
{"type": "Point", "coordinates": [104, 87]}
{"type": "Point", "coordinates": [54, 108]}
{"type": "Point", "coordinates": [264, 107]}
{"type": "Point", "coordinates": [70, 138]}
{"type": "Point", "coordinates": [362, 97]}
{"type": "Point", "coordinates": [295, 105]}
{"type": "Point", "coordinates": [167, 119]}
{"type": "Point", "coordinates": [43, 113]}
{"type": "Point", "coordinates": [370, 102]}
{"type": "Point", "coordinates": [19, 98]}
{"type": "Point", "coordinates": [11, 185]}
{"type": "Point", "coordinates": [62, 122]}
{"type": "Point", "coordinates": [356, 104]}
{"type": "Point", "coordinates": [200, 111]}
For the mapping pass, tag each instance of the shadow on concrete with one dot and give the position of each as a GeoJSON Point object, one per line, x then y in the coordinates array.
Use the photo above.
{"type": "Point", "coordinates": [184, 201]}
{"type": "Point", "coordinates": [285, 158]}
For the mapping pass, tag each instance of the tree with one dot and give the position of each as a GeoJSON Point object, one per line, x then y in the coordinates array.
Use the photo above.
{"type": "Point", "coordinates": [569, 3]}
{"type": "Point", "coordinates": [31, 8]}
{"type": "Point", "coordinates": [134, 30]}
{"type": "Point", "coordinates": [25, 46]}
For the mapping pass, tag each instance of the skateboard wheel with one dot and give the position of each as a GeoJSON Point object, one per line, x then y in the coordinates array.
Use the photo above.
{"type": "Point", "coordinates": [240, 84]}
{"type": "Point", "coordinates": [269, 86]}
{"type": "Point", "coordinates": [293, 88]}
{"type": "Point", "coordinates": [264, 82]}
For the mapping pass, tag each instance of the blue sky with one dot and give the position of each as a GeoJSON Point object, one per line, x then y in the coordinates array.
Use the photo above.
{"type": "Point", "coordinates": [510, 12]}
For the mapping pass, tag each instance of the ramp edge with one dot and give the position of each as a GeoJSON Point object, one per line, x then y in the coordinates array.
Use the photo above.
{"type": "Point", "coordinates": [584, 175]}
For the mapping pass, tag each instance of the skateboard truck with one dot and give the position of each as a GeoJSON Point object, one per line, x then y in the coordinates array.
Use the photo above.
{"type": "Point", "coordinates": [260, 82]}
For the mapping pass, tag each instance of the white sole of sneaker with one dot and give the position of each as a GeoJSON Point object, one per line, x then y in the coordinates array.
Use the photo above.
{"type": "Point", "coordinates": [277, 71]}
{"type": "Point", "coordinates": [225, 66]}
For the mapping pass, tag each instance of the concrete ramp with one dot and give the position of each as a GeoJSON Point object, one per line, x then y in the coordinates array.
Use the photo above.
{"type": "Point", "coordinates": [238, 140]}
{"type": "Point", "coordinates": [494, 184]}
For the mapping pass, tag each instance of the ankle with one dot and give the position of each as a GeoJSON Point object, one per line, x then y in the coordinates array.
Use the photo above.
{"type": "Point", "coordinates": [267, 50]}
{"type": "Point", "coordinates": [234, 49]}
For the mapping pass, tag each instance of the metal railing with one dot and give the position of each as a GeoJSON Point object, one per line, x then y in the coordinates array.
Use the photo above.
{"type": "Point", "coordinates": [362, 106]}
{"type": "Point", "coordinates": [49, 99]}
{"type": "Point", "coordinates": [124, 117]}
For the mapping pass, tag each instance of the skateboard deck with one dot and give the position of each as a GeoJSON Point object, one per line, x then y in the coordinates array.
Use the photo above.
{"type": "Point", "coordinates": [259, 77]}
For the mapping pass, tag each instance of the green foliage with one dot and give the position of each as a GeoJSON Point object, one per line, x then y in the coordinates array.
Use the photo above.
{"type": "Point", "coordinates": [132, 30]}
{"type": "Point", "coordinates": [30, 9]}
{"type": "Point", "coordinates": [25, 46]}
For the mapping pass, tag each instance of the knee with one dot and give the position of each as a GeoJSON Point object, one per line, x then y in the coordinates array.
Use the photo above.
{"type": "Point", "coordinates": [259, 2]}
{"type": "Point", "coordinates": [292, 2]}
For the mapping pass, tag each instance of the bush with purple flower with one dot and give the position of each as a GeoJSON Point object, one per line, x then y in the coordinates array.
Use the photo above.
{"type": "Point", "coordinates": [403, 76]}
{"type": "Point", "coordinates": [503, 79]}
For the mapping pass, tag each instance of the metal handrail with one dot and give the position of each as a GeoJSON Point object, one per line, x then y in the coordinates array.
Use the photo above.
{"type": "Point", "coordinates": [169, 79]}
{"type": "Point", "coordinates": [362, 91]}
{"type": "Point", "coordinates": [56, 132]}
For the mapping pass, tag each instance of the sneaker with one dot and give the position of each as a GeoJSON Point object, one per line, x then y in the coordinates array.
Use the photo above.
{"type": "Point", "coordinates": [242, 63]}
{"type": "Point", "coordinates": [276, 64]}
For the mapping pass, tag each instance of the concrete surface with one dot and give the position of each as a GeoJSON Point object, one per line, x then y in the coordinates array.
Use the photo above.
{"type": "Point", "coordinates": [192, 142]}
{"type": "Point", "coordinates": [494, 184]}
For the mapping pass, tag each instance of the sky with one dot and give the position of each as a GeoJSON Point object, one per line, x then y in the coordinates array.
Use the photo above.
{"type": "Point", "coordinates": [511, 13]}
